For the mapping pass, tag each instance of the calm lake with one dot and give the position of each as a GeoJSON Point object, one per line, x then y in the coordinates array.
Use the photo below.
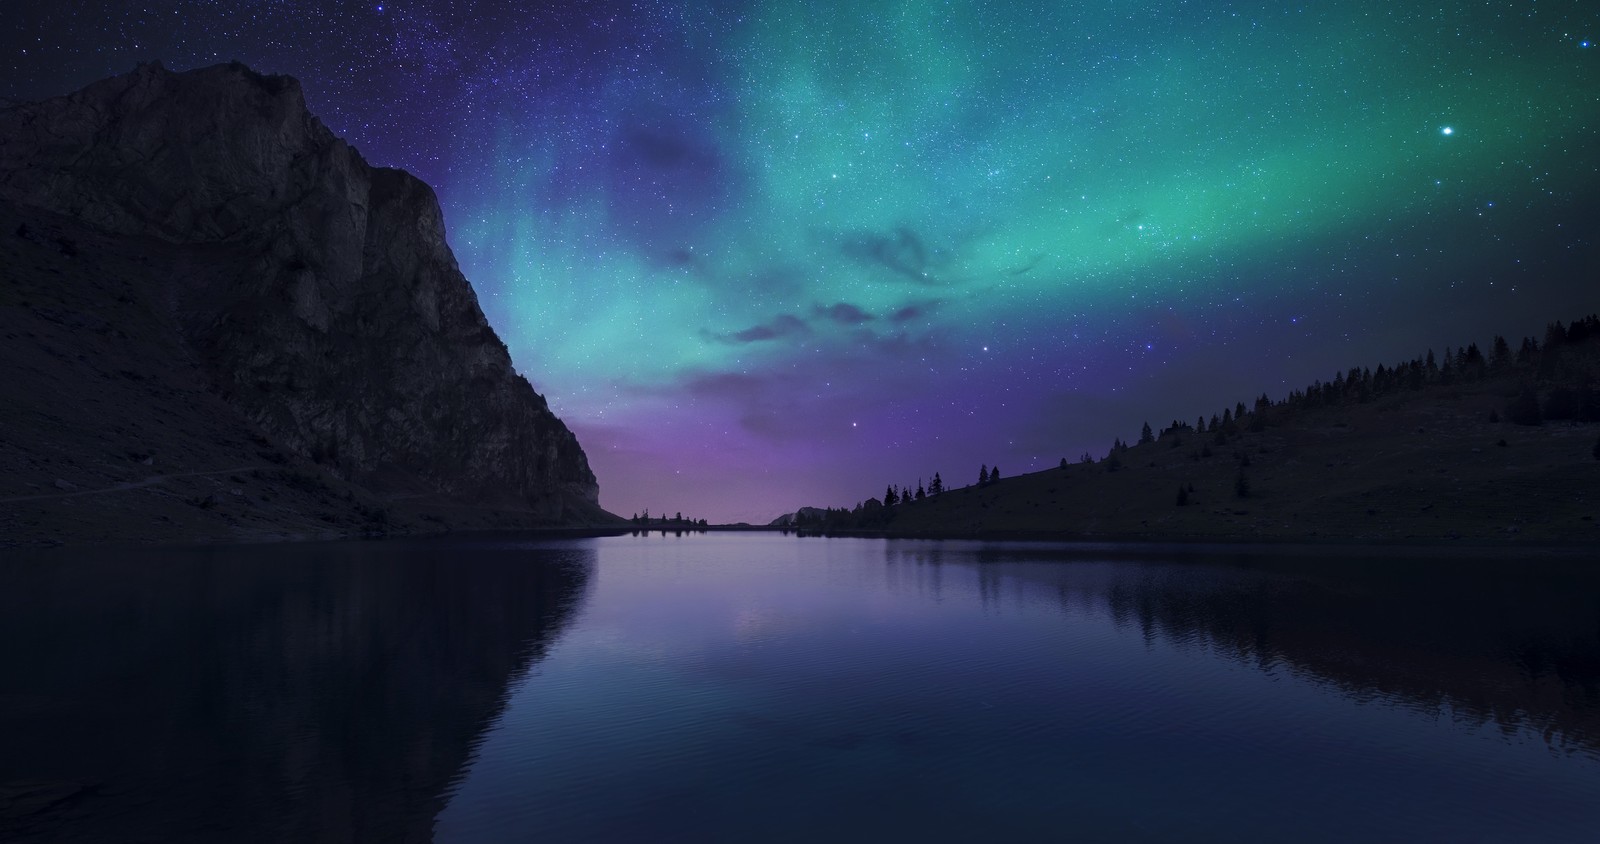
{"type": "Point", "coordinates": [758, 687]}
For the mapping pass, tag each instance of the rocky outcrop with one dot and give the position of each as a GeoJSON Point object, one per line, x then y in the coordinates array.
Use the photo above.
{"type": "Point", "coordinates": [315, 291]}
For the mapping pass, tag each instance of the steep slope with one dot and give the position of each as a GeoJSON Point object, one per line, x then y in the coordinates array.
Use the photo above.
{"type": "Point", "coordinates": [203, 237]}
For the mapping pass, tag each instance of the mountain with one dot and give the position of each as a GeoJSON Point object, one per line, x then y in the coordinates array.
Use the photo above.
{"type": "Point", "coordinates": [1500, 447]}
{"type": "Point", "coordinates": [220, 321]}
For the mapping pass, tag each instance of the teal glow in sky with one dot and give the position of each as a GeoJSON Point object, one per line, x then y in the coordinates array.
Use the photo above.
{"type": "Point", "coordinates": [765, 255]}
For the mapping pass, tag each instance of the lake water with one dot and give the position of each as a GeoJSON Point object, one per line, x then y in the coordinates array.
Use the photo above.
{"type": "Point", "coordinates": [743, 687]}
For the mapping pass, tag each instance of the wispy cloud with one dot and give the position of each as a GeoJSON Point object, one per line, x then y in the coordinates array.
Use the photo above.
{"type": "Point", "coordinates": [783, 325]}
{"type": "Point", "coordinates": [842, 313]}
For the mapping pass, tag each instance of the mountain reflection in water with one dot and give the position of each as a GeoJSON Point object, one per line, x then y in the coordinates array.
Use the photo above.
{"type": "Point", "coordinates": [326, 692]}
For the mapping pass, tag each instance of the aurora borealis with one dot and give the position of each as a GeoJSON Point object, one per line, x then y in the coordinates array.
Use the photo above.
{"type": "Point", "coordinates": [766, 255]}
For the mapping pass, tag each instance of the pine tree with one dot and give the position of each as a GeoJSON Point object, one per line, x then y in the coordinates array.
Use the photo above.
{"type": "Point", "coordinates": [994, 474]}
{"type": "Point", "coordinates": [1063, 462]}
{"type": "Point", "coordinates": [889, 498]}
{"type": "Point", "coordinates": [937, 486]}
{"type": "Point", "coordinates": [921, 493]}
{"type": "Point", "coordinates": [1145, 436]}
{"type": "Point", "coordinates": [983, 475]}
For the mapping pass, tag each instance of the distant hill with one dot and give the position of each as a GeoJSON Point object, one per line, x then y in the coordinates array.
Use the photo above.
{"type": "Point", "coordinates": [1500, 445]}
{"type": "Point", "coordinates": [218, 321]}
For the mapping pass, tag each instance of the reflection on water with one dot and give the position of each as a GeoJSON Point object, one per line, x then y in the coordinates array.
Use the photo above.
{"type": "Point", "coordinates": [778, 689]}
{"type": "Point", "coordinates": [292, 693]}
{"type": "Point", "coordinates": [1483, 638]}
{"type": "Point", "coordinates": [769, 688]}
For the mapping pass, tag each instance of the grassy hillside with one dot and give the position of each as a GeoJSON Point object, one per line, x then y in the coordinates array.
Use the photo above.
{"type": "Point", "coordinates": [1416, 452]}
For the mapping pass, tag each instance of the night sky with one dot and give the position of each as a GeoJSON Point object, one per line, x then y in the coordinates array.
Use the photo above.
{"type": "Point", "coordinates": [772, 254]}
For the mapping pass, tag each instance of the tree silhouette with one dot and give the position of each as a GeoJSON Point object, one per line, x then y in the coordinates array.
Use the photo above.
{"type": "Point", "coordinates": [1241, 485]}
{"type": "Point", "coordinates": [889, 498]}
{"type": "Point", "coordinates": [983, 475]}
{"type": "Point", "coordinates": [994, 474]}
{"type": "Point", "coordinates": [1145, 435]}
{"type": "Point", "coordinates": [937, 486]}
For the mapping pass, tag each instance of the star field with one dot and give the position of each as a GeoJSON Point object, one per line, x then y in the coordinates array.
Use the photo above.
{"type": "Point", "coordinates": [765, 255]}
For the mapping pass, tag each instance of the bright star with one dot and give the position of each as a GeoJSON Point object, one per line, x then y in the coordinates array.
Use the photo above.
{"type": "Point", "coordinates": [1447, 131]}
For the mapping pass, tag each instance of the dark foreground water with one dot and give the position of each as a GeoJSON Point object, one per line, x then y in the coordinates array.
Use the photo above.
{"type": "Point", "coordinates": [765, 688]}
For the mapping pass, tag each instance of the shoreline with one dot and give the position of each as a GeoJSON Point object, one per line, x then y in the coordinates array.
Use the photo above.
{"type": "Point", "coordinates": [1139, 544]}
{"type": "Point", "coordinates": [289, 538]}
{"type": "Point", "coordinates": [1213, 542]}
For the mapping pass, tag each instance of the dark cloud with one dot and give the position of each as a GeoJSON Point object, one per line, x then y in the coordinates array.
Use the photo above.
{"type": "Point", "coordinates": [680, 257]}
{"type": "Point", "coordinates": [789, 325]}
{"type": "Point", "coordinates": [666, 177]}
{"type": "Point", "coordinates": [915, 310]}
{"type": "Point", "coordinates": [765, 403]}
{"type": "Point", "coordinates": [664, 149]}
{"type": "Point", "coordinates": [1028, 267]}
{"type": "Point", "coordinates": [842, 313]}
{"type": "Point", "coordinates": [900, 251]}
{"type": "Point", "coordinates": [738, 386]}
{"type": "Point", "coordinates": [784, 325]}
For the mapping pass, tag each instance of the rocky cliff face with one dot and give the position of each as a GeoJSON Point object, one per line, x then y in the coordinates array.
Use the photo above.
{"type": "Point", "coordinates": [316, 292]}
